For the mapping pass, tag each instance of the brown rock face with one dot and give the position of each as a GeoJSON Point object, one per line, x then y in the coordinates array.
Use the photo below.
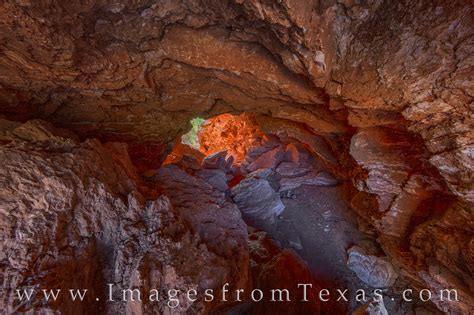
{"type": "Point", "coordinates": [73, 217]}
{"type": "Point", "coordinates": [399, 193]}
{"type": "Point", "coordinates": [398, 173]}
{"type": "Point", "coordinates": [138, 71]}
{"type": "Point", "coordinates": [378, 93]}
{"type": "Point", "coordinates": [269, 260]}
{"type": "Point", "coordinates": [234, 134]}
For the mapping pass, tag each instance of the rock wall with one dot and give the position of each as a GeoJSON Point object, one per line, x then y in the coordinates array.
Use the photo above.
{"type": "Point", "coordinates": [138, 71]}
{"type": "Point", "coordinates": [402, 200]}
{"type": "Point", "coordinates": [74, 216]}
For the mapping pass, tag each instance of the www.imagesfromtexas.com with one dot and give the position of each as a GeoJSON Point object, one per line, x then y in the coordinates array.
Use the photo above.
{"type": "Point", "coordinates": [172, 297]}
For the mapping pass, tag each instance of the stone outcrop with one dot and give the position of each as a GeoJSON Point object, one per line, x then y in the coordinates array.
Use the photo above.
{"type": "Point", "coordinates": [218, 161]}
{"type": "Point", "coordinates": [398, 173]}
{"type": "Point", "coordinates": [443, 245]}
{"type": "Point", "coordinates": [311, 178]}
{"type": "Point", "coordinates": [206, 209]}
{"type": "Point", "coordinates": [74, 216]}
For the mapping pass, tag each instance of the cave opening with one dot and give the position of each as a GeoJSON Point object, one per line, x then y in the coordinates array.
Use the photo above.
{"type": "Point", "coordinates": [287, 195]}
{"type": "Point", "coordinates": [191, 137]}
{"type": "Point", "coordinates": [296, 199]}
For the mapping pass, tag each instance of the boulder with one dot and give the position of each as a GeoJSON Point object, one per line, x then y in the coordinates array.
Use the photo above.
{"type": "Point", "coordinates": [312, 178]}
{"type": "Point", "coordinates": [189, 163]}
{"type": "Point", "coordinates": [375, 271]}
{"type": "Point", "coordinates": [256, 151]}
{"type": "Point", "coordinates": [257, 200]}
{"type": "Point", "coordinates": [268, 174]}
{"type": "Point", "coordinates": [143, 153]}
{"type": "Point", "coordinates": [269, 159]}
{"type": "Point", "coordinates": [297, 154]}
{"type": "Point", "coordinates": [207, 210]}
{"type": "Point", "coordinates": [217, 161]}
{"type": "Point", "coordinates": [290, 169]}
{"type": "Point", "coordinates": [216, 178]}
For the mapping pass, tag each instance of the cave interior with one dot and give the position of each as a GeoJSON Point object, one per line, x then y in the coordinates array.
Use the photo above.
{"type": "Point", "coordinates": [260, 144]}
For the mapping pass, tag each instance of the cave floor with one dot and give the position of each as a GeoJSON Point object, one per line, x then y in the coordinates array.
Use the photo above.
{"type": "Point", "coordinates": [319, 226]}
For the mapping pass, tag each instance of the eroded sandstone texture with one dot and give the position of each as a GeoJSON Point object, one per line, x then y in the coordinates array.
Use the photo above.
{"type": "Point", "coordinates": [379, 93]}
{"type": "Point", "coordinates": [73, 216]}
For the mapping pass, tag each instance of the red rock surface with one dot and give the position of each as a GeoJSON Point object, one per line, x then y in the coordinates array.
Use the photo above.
{"type": "Point", "coordinates": [179, 150]}
{"type": "Point", "coordinates": [379, 93]}
{"type": "Point", "coordinates": [396, 190]}
{"type": "Point", "coordinates": [234, 134]}
{"type": "Point", "coordinates": [269, 260]}
{"type": "Point", "coordinates": [82, 221]}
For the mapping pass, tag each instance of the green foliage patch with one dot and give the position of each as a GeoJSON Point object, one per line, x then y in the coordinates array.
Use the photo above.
{"type": "Point", "coordinates": [191, 138]}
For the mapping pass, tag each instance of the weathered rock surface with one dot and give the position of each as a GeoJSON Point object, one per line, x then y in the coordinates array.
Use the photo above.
{"type": "Point", "coordinates": [403, 186]}
{"type": "Point", "coordinates": [290, 169]}
{"type": "Point", "coordinates": [178, 154]}
{"type": "Point", "coordinates": [217, 161]}
{"type": "Point", "coordinates": [73, 216]}
{"type": "Point", "coordinates": [216, 178]}
{"type": "Point", "coordinates": [388, 84]}
{"type": "Point", "coordinates": [311, 178]}
{"type": "Point", "coordinates": [269, 159]}
{"type": "Point", "coordinates": [268, 174]}
{"type": "Point", "coordinates": [267, 261]}
{"type": "Point", "coordinates": [235, 134]}
{"type": "Point", "coordinates": [445, 245]}
{"type": "Point", "coordinates": [398, 173]}
{"type": "Point", "coordinates": [375, 271]}
{"type": "Point", "coordinates": [373, 307]}
{"type": "Point", "coordinates": [389, 158]}
{"type": "Point", "coordinates": [206, 210]}
{"type": "Point", "coordinates": [257, 199]}
{"type": "Point", "coordinates": [137, 70]}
